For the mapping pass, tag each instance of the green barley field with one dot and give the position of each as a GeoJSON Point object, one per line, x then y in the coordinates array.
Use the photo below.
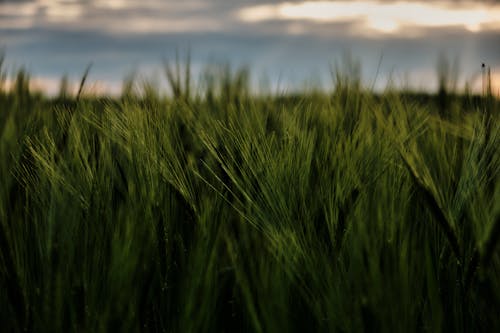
{"type": "Point", "coordinates": [218, 210]}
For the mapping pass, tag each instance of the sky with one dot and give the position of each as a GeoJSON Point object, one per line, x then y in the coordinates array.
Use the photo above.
{"type": "Point", "coordinates": [287, 45]}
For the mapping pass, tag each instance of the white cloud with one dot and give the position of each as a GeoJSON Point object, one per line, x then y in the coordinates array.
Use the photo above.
{"type": "Point", "coordinates": [365, 17]}
{"type": "Point", "coordinates": [19, 9]}
{"type": "Point", "coordinates": [126, 16]}
{"type": "Point", "coordinates": [382, 17]}
{"type": "Point", "coordinates": [65, 12]}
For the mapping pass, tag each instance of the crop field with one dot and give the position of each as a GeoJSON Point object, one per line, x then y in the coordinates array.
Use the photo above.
{"type": "Point", "coordinates": [219, 210]}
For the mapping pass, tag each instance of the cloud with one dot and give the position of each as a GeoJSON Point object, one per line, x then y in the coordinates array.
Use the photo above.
{"type": "Point", "coordinates": [285, 39]}
{"type": "Point", "coordinates": [381, 17]}
{"type": "Point", "coordinates": [368, 18]}
{"type": "Point", "coordinates": [115, 16]}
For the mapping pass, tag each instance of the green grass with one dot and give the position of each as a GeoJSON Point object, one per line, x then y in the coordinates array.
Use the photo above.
{"type": "Point", "coordinates": [225, 212]}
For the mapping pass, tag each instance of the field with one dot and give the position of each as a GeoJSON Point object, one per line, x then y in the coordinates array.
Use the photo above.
{"type": "Point", "coordinates": [222, 211]}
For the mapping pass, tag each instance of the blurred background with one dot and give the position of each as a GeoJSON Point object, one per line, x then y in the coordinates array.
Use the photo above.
{"type": "Point", "coordinates": [285, 45]}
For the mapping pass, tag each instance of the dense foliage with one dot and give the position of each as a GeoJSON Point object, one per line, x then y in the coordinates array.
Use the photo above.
{"type": "Point", "coordinates": [227, 212]}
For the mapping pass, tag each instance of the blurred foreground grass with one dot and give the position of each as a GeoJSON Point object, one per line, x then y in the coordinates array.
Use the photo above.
{"type": "Point", "coordinates": [226, 212]}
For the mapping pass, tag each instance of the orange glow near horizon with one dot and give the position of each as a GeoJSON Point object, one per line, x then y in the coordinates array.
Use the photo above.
{"type": "Point", "coordinates": [383, 17]}
{"type": "Point", "coordinates": [51, 85]}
